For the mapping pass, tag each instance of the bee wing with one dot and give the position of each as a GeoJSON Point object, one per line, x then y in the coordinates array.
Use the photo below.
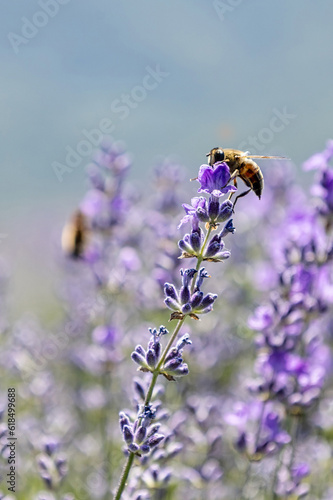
{"type": "Point", "coordinates": [268, 157]}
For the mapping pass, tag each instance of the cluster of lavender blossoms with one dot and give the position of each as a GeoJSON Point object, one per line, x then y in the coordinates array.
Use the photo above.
{"type": "Point", "coordinates": [293, 359]}
{"type": "Point", "coordinates": [254, 418]}
{"type": "Point", "coordinates": [141, 435]}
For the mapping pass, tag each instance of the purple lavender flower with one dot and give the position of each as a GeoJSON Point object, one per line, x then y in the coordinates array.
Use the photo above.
{"type": "Point", "coordinates": [292, 363]}
{"type": "Point", "coordinates": [198, 204]}
{"type": "Point", "coordinates": [51, 465]}
{"type": "Point", "coordinates": [259, 429]}
{"type": "Point", "coordinates": [140, 436]}
{"type": "Point", "coordinates": [289, 481]}
{"type": "Point", "coordinates": [173, 364]}
{"type": "Point", "coordinates": [319, 161]}
{"type": "Point", "coordinates": [323, 189]}
{"type": "Point", "coordinates": [190, 300]}
{"type": "Point", "coordinates": [214, 180]}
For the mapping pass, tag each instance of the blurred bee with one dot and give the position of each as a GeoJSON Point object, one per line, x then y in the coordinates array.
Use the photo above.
{"type": "Point", "coordinates": [75, 235]}
{"type": "Point", "coordinates": [241, 165]}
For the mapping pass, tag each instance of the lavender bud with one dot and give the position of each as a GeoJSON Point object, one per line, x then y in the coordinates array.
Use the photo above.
{"type": "Point", "coordinates": [196, 299]}
{"type": "Point", "coordinates": [185, 247]}
{"type": "Point", "coordinates": [155, 440]}
{"type": "Point", "coordinates": [216, 238]}
{"type": "Point", "coordinates": [123, 420]}
{"type": "Point", "coordinates": [157, 349]}
{"type": "Point", "coordinates": [127, 434]}
{"type": "Point", "coordinates": [201, 276]}
{"type": "Point", "coordinates": [153, 429]}
{"type": "Point", "coordinates": [195, 240]}
{"type": "Point", "coordinates": [185, 339]}
{"type": "Point", "coordinates": [170, 291]}
{"type": "Point", "coordinates": [228, 228]}
{"type": "Point", "coordinates": [187, 275]}
{"type": "Point", "coordinates": [155, 470]}
{"type": "Point", "coordinates": [185, 295]}
{"type": "Point", "coordinates": [181, 371]}
{"type": "Point", "coordinates": [202, 215]}
{"type": "Point", "coordinates": [166, 477]}
{"type": "Point", "coordinates": [140, 350]}
{"type": "Point", "coordinates": [145, 448]}
{"type": "Point", "coordinates": [51, 446]}
{"type": "Point", "coordinates": [148, 415]}
{"type": "Point", "coordinates": [212, 249]}
{"type": "Point", "coordinates": [222, 255]}
{"type": "Point", "coordinates": [146, 421]}
{"type": "Point", "coordinates": [225, 211]}
{"type": "Point", "coordinates": [140, 434]}
{"type": "Point", "coordinates": [213, 207]}
{"type": "Point", "coordinates": [160, 455]}
{"type": "Point", "coordinates": [142, 495]}
{"type": "Point", "coordinates": [171, 354]}
{"type": "Point", "coordinates": [47, 479]}
{"type": "Point", "coordinates": [174, 449]}
{"type": "Point", "coordinates": [137, 358]}
{"type": "Point", "coordinates": [163, 330]}
{"type": "Point", "coordinates": [154, 333]}
{"type": "Point", "coordinates": [3, 430]}
{"type": "Point", "coordinates": [171, 304]}
{"type": "Point", "coordinates": [150, 357]}
{"type": "Point", "coordinates": [208, 300]}
{"type": "Point", "coordinates": [61, 465]}
{"type": "Point", "coordinates": [43, 462]}
{"type": "Point", "coordinates": [138, 387]}
{"type": "Point", "coordinates": [186, 309]}
{"type": "Point", "coordinates": [171, 365]}
{"type": "Point", "coordinates": [134, 448]}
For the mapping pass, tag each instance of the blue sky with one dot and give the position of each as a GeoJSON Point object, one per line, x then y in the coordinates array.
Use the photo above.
{"type": "Point", "coordinates": [228, 69]}
{"type": "Point", "coordinates": [231, 67]}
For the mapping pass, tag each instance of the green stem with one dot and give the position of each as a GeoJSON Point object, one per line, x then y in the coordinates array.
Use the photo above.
{"type": "Point", "coordinates": [161, 361]}
{"type": "Point", "coordinates": [156, 372]}
{"type": "Point", "coordinates": [249, 465]}
{"type": "Point", "coordinates": [129, 463]}
{"type": "Point", "coordinates": [200, 256]}
{"type": "Point", "coordinates": [204, 245]}
{"type": "Point", "coordinates": [293, 433]}
{"type": "Point", "coordinates": [124, 477]}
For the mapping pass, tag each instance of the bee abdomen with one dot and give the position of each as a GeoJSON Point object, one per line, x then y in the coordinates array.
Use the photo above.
{"type": "Point", "coordinates": [258, 184]}
{"type": "Point", "coordinates": [252, 176]}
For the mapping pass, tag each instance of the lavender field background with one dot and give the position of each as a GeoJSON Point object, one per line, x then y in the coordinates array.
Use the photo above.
{"type": "Point", "coordinates": [108, 112]}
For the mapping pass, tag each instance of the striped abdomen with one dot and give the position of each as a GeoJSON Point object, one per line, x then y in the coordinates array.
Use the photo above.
{"type": "Point", "coordinates": [251, 174]}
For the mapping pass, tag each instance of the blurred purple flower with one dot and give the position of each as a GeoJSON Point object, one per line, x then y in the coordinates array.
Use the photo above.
{"type": "Point", "coordinates": [319, 161]}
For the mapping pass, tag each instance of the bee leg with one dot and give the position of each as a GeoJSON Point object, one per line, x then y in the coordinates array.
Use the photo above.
{"type": "Point", "coordinates": [235, 184]}
{"type": "Point", "coordinates": [241, 196]}
{"type": "Point", "coordinates": [234, 178]}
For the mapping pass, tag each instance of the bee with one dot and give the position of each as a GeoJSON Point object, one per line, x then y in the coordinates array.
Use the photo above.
{"type": "Point", "coordinates": [242, 165]}
{"type": "Point", "coordinates": [75, 235]}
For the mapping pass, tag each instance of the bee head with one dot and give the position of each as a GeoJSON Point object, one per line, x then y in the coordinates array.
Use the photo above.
{"type": "Point", "coordinates": [215, 155]}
